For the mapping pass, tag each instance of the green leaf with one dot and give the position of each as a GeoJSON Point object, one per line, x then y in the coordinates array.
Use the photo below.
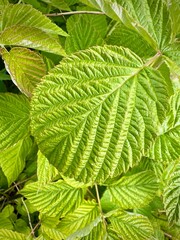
{"type": "Point", "coordinates": [171, 197]}
{"type": "Point", "coordinates": [97, 112]}
{"type": "Point", "coordinates": [120, 35]}
{"type": "Point", "coordinates": [150, 18]}
{"type": "Point", "coordinates": [85, 31]}
{"type": "Point", "coordinates": [31, 37]}
{"type": "Point", "coordinates": [173, 52]}
{"type": "Point", "coordinates": [45, 171]}
{"type": "Point", "coordinates": [53, 199]}
{"type": "Point", "coordinates": [134, 191]}
{"type": "Point", "coordinates": [174, 8]}
{"type": "Point", "coordinates": [166, 146]}
{"type": "Point", "coordinates": [81, 222]}
{"type": "Point", "coordinates": [3, 75]}
{"type": "Point", "coordinates": [61, 4]}
{"type": "Point", "coordinates": [131, 226]}
{"type": "Point", "coordinates": [12, 159]}
{"type": "Point", "coordinates": [14, 119]}
{"type": "Point", "coordinates": [52, 233]}
{"type": "Point", "coordinates": [25, 15]}
{"type": "Point", "coordinates": [25, 67]}
{"type": "Point", "coordinates": [6, 234]}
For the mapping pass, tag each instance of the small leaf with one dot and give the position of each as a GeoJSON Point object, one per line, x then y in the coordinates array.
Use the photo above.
{"type": "Point", "coordinates": [53, 199]}
{"type": "Point", "coordinates": [25, 67]}
{"type": "Point", "coordinates": [171, 197]}
{"type": "Point", "coordinates": [45, 171]}
{"type": "Point", "coordinates": [134, 191]}
{"type": "Point", "coordinates": [81, 222]}
{"type": "Point", "coordinates": [6, 234]}
{"type": "Point", "coordinates": [12, 159]}
{"type": "Point", "coordinates": [131, 226]}
{"type": "Point", "coordinates": [31, 37]}
{"type": "Point", "coordinates": [85, 31]}
{"type": "Point", "coordinates": [14, 119]}
{"type": "Point", "coordinates": [25, 15]}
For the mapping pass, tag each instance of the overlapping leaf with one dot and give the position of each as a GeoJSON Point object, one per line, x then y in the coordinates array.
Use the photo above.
{"type": "Point", "coordinates": [25, 67]}
{"type": "Point", "coordinates": [53, 199]}
{"type": "Point", "coordinates": [98, 112]}
{"type": "Point", "coordinates": [131, 226]}
{"type": "Point", "coordinates": [121, 35]}
{"type": "Point", "coordinates": [14, 119]}
{"type": "Point", "coordinates": [150, 18]}
{"type": "Point", "coordinates": [11, 235]}
{"type": "Point", "coordinates": [166, 146]}
{"type": "Point", "coordinates": [25, 15]}
{"type": "Point", "coordinates": [85, 31]}
{"type": "Point", "coordinates": [61, 4]}
{"type": "Point", "coordinates": [81, 222]}
{"type": "Point", "coordinates": [134, 191]}
{"type": "Point", "coordinates": [45, 171]}
{"type": "Point", "coordinates": [12, 159]}
{"type": "Point", "coordinates": [171, 196]}
{"type": "Point", "coordinates": [30, 37]}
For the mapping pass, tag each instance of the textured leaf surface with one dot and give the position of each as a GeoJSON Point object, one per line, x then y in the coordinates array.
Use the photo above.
{"type": "Point", "coordinates": [85, 31]}
{"type": "Point", "coordinates": [52, 233]}
{"type": "Point", "coordinates": [54, 199]}
{"type": "Point", "coordinates": [173, 52]}
{"type": "Point", "coordinates": [30, 37]}
{"type": "Point", "coordinates": [171, 196]}
{"type": "Point", "coordinates": [96, 113]}
{"type": "Point", "coordinates": [25, 15]}
{"type": "Point", "coordinates": [150, 18]}
{"type": "Point", "coordinates": [121, 35]}
{"type": "Point", "coordinates": [81, 222]}
{"type": "Point", "coordinates": [25, 67]}
{"type": "Point", "coordinates": [14, 119]}
{"type": "Point", "coordinates": [166, 146]}
{"type": "Point", "coordinates": [134, 191]}
{"type": "Point", "coordinates": [11, 235]}
{"type": "Point", "coordinates": [12, 160]}
{"type": "Point", "coordinates": [45, 171]}
{"type": "Point", "coordinates": [131, 226]}
{"type": "Point", "coordinates": [174, 8]}
{"type": "Point", "coordinates": [61, 4]}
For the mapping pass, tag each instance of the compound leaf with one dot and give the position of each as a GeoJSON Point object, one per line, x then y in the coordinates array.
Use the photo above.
{"type": "Point", "coordinates": [25, 67]}
{"type": "Point", "coordinates": [53, 199]}
{"type": "Point", "coordinates": [134, 191]}
{"type": "Point", "coordinates": [14, 119]}
{"type": "Point", "coordinates": [96, 113]}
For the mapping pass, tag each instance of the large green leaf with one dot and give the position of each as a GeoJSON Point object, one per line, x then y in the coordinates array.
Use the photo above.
{"type": "Point", "coordinates": [131, 226]}
{"type": "Point", "coordinates": [171, 196]}
{"type": "Point", "coordinates": [31, 37]}
{"type": "Point", "coordinates": [12, 159]}
{"type": "Point", "coordinates": [150, 18]}
{"type": "Point", "coordinates": [85, 31]}
{"type": "Point", "coordinates": [11, 235]}
{"type": "Point", "coordinates": [25, 15]}
{"type": "Point", "coordinates": [121, 35]}
{"type": "Point", "coordinates": [45, 171]}
{"type": "Point", "coordinates": [173, 52]}
{"type": "Point", "coordinates": [81, 222]}
{"type": "Point", "coordinates": [25, 67]}
{"type": "Point", "coordinates": [134, 191]}
{"type": "Point", "coordinates": [14, 119]}
{"type": "Point", "coordinates": [174, 8]}
{"type": "Point", "coordinates": [96, 113]}
{"type": "Point", "coordinates": [61, 4]}
{"type": "Point", "coordinates": [166, 146]}
{"type": "Point", "coordinates": [55, 198]}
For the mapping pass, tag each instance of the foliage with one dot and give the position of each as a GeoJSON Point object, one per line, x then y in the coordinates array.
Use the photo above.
{"type": "Point", "coordinates": [89, 119]}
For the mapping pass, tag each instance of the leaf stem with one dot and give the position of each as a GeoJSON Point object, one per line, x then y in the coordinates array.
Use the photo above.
{"type": "Point", "coordinates": [99, 203]}
{"type": "Point", "coordinates": [73, 12]}
{"type": "Point", "coordinates": [153, 59]}
{"type": "Point", "coordinates": [28, 214]}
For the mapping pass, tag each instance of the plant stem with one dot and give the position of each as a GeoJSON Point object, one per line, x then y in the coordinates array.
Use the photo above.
{"type": "Point", "coordinates": [73, 12]}
{"type": "Point", "coordinates": [99, 203]}
{"type": "Point", "coordinates": [168, 235]}
{"type": "Point", "coordinates": [28, 214]}
{"type": "Point", "coordinates": [153, 59]}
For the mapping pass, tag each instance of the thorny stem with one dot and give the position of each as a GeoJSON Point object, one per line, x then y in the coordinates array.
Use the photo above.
{"type": "Point", "coordinates": [99, 203]}
{"type": "Point", "coordinates": [28, 214]}
{"type": "Point", "coordinates": [73, 12]}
